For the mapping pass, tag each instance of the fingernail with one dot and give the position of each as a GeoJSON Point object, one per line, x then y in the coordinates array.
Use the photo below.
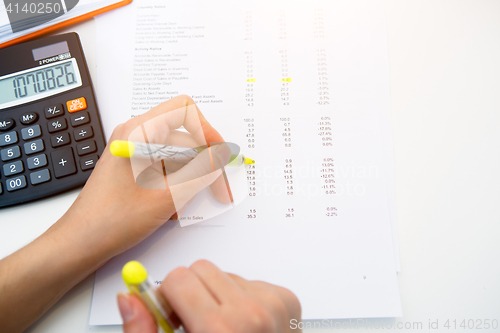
{"type": "Point", "coordinates": [126, 310]}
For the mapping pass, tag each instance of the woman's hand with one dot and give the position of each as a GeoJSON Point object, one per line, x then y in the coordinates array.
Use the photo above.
{"type": "Point", "coordinates": [113, 213]}
{"type": "Point", "coordinates": [209, 300]}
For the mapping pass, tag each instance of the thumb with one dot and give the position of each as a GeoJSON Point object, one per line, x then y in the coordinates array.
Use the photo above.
{"type": "Point", "coordinates": [136, 318]}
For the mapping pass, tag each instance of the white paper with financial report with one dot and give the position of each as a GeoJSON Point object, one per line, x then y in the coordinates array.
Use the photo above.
{"type": "Point", "coordinates": [302, 87]}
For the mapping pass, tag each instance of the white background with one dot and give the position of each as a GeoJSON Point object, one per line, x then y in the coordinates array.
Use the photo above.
{"type": "Point", "coordinates": [444, 59]}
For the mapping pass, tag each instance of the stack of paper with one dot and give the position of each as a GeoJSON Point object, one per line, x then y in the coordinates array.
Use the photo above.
{"type": "Point", "coordinates": [22, 18]}
{"type": "Point", "coordinates": [303, 88]}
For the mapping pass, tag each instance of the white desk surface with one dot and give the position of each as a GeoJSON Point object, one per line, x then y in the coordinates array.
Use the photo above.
{"type": "Point", "coordinates": [444, 61]}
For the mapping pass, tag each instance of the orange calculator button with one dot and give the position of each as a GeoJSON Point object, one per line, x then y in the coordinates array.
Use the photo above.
{"type": "Point", "coordinates": [76, 104]}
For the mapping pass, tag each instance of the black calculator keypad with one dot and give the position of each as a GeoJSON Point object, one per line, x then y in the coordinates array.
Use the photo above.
{"type": "Point", "coordinates": [54, 148]}
{"type": "Point", "coordinates": [38, 151]}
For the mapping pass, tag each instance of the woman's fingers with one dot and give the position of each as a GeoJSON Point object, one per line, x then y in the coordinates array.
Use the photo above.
{"type": "Point", "coordinates": [136, 318]}
{"type": "Point", "coordinates": [188, 297]}
{"type": "Point", "coordinates": [220, 285]}
{"type": "Point", "coordinates": [160, 125]}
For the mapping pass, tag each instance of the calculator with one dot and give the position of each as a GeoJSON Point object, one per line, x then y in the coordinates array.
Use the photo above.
{"type": "Point", "coordinates": [50, 131]}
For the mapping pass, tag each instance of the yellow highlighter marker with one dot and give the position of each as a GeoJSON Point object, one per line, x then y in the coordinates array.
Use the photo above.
{"type": "Point", "coordinates": [135, 277]}
{"type": "Point", "coordinates": [170, 153]}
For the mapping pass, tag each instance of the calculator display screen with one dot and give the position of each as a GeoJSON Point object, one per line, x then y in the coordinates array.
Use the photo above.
{"type": "Point", "coordinates": [39, 82]}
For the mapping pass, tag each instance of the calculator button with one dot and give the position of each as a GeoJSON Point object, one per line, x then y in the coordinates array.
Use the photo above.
{"type": "Point", "coordinates": [28, 118]}
{"type": "Point", "coordinates": [86, 148]}
{"type": "Point", "coordinates": [33, 147]}
{"type": "Point", "coordinates": [88, 162]}
{"type": "Point", "coordinates": [13, 168]}
{"type": "Point", "coordinates": [37, 161]}
{"type": "Point", "coordinates": [31, 132]}
{"type": "Point", "coordinates": [63, 162]}
{"type": "Point", "coordinates": [83, 133]}
{"type": "Point", "coordinates": [53, 111]}
{"type": "Point", "coordinates": [16, 183]}
{"type": "Point", "coordinates": [60, 140]}
{"type": "Point", "coordinates": [80, 118]}
{"type": "Point", "coordinates": [76, 104]}
{"type": "Point", "coordinates": [8, 138]}
{"type": "Point", "coordinates": [57, 125]}
{"type": "Point", "coordinates": [6, 124]}
{"type": "Point", "coordinates": [10, 153]}
{"type": "Point", "coordinates": [39, 177]}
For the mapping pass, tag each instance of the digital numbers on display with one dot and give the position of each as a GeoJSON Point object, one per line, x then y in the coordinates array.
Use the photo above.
{"type": "Point", "coordinates": [39, 82]}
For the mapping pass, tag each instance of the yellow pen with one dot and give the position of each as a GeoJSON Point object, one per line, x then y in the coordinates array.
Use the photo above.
{"type": "Point", "coordinates": [171, 153]}
{"type": "Point", "coordinates": [135, 277]}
